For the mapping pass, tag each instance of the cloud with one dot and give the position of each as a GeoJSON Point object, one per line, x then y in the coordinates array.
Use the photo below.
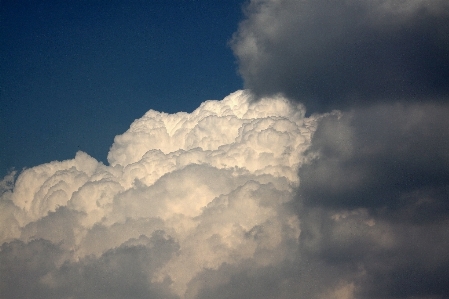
{"type": "Point", "coordinates": [375, 199]}
{"type": "Point", "coordinates": [184, 194]}
{"type": "Point", "coordinates": [247, 197]}
{"type": "Point", "coordinates": [337, 54]}
{"type": "Point", "coordinates": [390, 155]}
{"type": "Point", "coordinates": [373, 194]}
{"type": "Point", "coordinates": [37, 270]}
{"type": "Point", "coordinates": [22, 265]}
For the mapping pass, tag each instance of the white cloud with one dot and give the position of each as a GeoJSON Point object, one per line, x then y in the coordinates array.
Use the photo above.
{"type": "Point", "coordinates": [216, 181]}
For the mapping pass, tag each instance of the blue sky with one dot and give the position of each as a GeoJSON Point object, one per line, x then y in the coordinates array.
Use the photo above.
{"type": "Point", "coordinates": [76, 73]}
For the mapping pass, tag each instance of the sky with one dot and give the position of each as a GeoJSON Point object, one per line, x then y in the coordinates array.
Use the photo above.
{"type": "Point", "coordinates": [266, 149]}
{"type": "Point", "coordinates": [76, 73]}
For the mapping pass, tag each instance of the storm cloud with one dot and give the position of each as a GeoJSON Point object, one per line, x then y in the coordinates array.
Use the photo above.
{"type": "Point", "coordinates": [373, 198]}
{"type": "Point", "coordinates": [376, 199]}
{"type": "Point", "coordinates": [337, 54]}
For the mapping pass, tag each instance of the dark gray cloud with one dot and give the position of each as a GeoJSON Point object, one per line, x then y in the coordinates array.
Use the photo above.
{"type": "Point", "coordinates": [376, 199]}
{"type": "Point", "coordinates": [383, 158]}
{"type": "Point", "coordinates": [383, 259]}
{"type": "Point", "coordinates": [304, 277]}
{"type": "Point", "coordinates": [334, 54]}
{"type": "Point", "coordinates": [373, 200]}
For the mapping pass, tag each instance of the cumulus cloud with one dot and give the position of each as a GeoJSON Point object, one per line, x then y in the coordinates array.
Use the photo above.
{"type": "Point", "coordinates": [184, 194]}
{"type": "Point", "coordinates": [335, 54]}
{"type": "Point", "coordinates": [247, 197]}
{"type": "Point", "coordinates": [271, 204]}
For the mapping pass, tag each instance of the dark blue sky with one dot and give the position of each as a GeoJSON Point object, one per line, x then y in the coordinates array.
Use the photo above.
{"type": "Point", "coordinates": [74, 74]}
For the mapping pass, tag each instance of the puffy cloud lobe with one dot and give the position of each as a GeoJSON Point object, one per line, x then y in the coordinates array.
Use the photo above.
{"type": "Point", "coordinates": [336, 54]}
{"type": "Point", "coordinates": [43, 188]}
{"type": "Point", "coordinates": [216, 134]}
{"type": "Point", "coordinates": [183, 193]}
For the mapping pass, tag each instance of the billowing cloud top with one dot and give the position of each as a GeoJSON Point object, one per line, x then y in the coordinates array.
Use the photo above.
{"type": "Point", "coordinates": [184, 193]}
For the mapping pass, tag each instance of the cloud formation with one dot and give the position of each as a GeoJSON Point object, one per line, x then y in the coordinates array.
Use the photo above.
{"type": "Point", "coordinates": [335, 54]}
{"type": "Point", "coordinates": [184, 194]}
{"type": "Point", "coordinates": [249, 198]}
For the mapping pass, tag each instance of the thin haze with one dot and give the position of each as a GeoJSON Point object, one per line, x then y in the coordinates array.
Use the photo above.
{"type": "Point", "coordinates": [327, 178]}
